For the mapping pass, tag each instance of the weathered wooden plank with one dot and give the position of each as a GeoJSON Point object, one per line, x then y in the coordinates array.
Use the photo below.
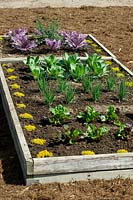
{"type": "Point", "coordinates": [83, 163]}
{"type": "Point", "coordinates": [102, 46]}
{"type": "Point", "coordinates": [20, 59]}
{"type": "Point", "coordinates": [71, 177]}
{"type": "Point", "coordinates": [15, 127]}
{"type": "Point", "coordinates": [123, 66]}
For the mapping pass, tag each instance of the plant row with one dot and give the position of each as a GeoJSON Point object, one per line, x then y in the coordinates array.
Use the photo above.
{"type": "Point", "coordinates": [59, 115]}
{"type": "Point", "coordinates": [48, 35]}
{"type": "Point", "coordinates": [88, 72]}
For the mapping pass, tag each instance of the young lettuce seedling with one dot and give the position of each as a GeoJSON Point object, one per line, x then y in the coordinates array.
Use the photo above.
{"type": "Point", "coordinates": [124, 131]}
{"type": "Point", "coordinates": [69, 61]}
{"type": "Point", "coordinates": [59, 114]}
{"type": "Point", "coordinates": [88, 116]}
{"type": "Point", "coordinates": [94, 133]}
{"type": "Point", "coordinates": [96, 65]}
{"type": "Point", "coordinates": [110, 115]}
{"type": "Point", "coordinates": [77, 72]}
{"type": "Point", "coordinates": [72, 135]}
{"type": "Point", "coordinates": [34, 65]}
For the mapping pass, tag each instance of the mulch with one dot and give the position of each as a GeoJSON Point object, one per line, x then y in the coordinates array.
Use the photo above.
{"type": "Point", "coordinates": [113, 27]}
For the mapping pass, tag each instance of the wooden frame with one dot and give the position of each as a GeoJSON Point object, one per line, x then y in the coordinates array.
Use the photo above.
{"type": "Point", "coordinates": [61, 169]}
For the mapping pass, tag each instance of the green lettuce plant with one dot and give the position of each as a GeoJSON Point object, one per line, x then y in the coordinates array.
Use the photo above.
{"type": "Point", "coordinates": [34, 64]}
{"type": "Point", "coordinates": [94, 133]}
{"type": "Point", "coordinates": [69, 61]}
{"type": "Point", "coordinates": [88, 116]}
{"type": "Point", "coordinates": [96, 65]}
{"type": "Point", "coordinates": [72, 135]}
{"type": "Point", "coordinates": [77, 72]}
{"type": "Point", "coordinates": [124, 131]}
{"type": "Point", "coordinates": [49, 61]}
{"type": "Point", "coordinates": [110, 115]}
{"type": "Point", "coordinates": [59, 114]}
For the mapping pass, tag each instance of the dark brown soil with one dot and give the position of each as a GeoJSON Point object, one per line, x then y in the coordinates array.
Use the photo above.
{"type": "Point", "coordinates": [56, 141]}
{"type": "Point", "coordinates": [114, 28]}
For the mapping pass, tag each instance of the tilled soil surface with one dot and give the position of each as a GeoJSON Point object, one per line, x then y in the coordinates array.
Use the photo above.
{"type": "Point", "coordinates": [113, 26]}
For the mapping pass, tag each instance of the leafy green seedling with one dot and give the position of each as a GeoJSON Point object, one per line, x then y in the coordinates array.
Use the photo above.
{"type": "Point", "coordinates": [94, 133]}
{"type": "Point", "coordinates": [69, 93]}
{"type": "Point", "coordinates": [124, 131]}
{"type": "Point", "coordinates": [72, 135]}
{"type": "Point", "coordinates": [122, 91]}
{"type": "Point", "coordinates": [86, 83]}
{"type": "Point", "coordinates": [95, 92]}
{"type": "Point", "coordinates": [96, 65]}
{"type": "Point", "coordinates": [34, 65]}
{"type": "Point", "coordinates": [59, 114]}
{"type": "Point", "coordinates": [88, 116]}
{"type": "Point", "coordinates": [61, 85]}
{"type": "Point", "coordinates": [110, 83]}
{"type": "Point", "coordinates": [110, 115]}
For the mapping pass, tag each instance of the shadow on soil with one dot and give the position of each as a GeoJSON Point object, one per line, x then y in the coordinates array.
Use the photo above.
{"type": "Point", "coordinates": [11, 170]}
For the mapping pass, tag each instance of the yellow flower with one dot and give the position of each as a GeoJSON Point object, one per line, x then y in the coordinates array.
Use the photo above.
{"type": "Point", "coordinates": [129, 83]}
{"type": "Point", "coordinates": [15, 86]}
{"type": "Point", "coordinates": [120, 75]}
{"type": "Point", "coordinates": [87, 152]}
{"type": "Point", "coordinates": [12, 77]}
{"type": "Point", "coordinates": [20, 105]}
{"type": "Point", "coordinates": [18, 94]}
{"type": "Point", "coordinates": [26, 116]}
{"type": "Point", "coordinates": [10, 70]}
{"type": "Point", "coordinates": [94, 45]}
{"type": "Point", "coordinates": [29, 127]}
{"type": "Point", "coordinates": [108, 62]}
{"type": "Point", "coordinates": [89, 41]}
{"type": "Point", "coordinates": [122, 151]}
{"type": "Point", "coordinates": [1, 38]}
{"type": "Point", "coordinates": [98, 50]}
{"type": "Point", "coordinates": [44, 153]}
{"type": "Point", "coordinates": [4, 65]}
{"type": "Point", "coordinates": [115, 69]}
{"type": "Point", "coordinates": [38, 141]}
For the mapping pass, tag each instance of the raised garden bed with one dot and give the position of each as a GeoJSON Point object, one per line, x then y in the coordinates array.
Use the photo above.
{"type": "Point", "coordinates": [67, 162]}
{"type": "Point", "coordinates": [49, 39]}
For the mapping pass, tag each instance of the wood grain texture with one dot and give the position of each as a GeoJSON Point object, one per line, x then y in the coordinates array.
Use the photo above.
{"type": "Point", "coordinates": [83, 163]}
{"type": "Point", "coordinates": [72, 177]}
{"type": "Point", "coordinates": [15, 127]}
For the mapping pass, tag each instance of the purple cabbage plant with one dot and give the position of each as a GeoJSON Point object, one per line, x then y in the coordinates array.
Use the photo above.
{"type": "Point", "coordinates": [53, 44]}
{"type": "Point", "coordinates": [19, 39]}
{"type": "Point", "coordinates": [74, 39]}
{"type": "Point", "coordinates": [19, 31]}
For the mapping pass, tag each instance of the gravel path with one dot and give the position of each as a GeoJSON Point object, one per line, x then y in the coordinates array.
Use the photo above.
{"type": "Point", "coordinates": [62, 3]}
